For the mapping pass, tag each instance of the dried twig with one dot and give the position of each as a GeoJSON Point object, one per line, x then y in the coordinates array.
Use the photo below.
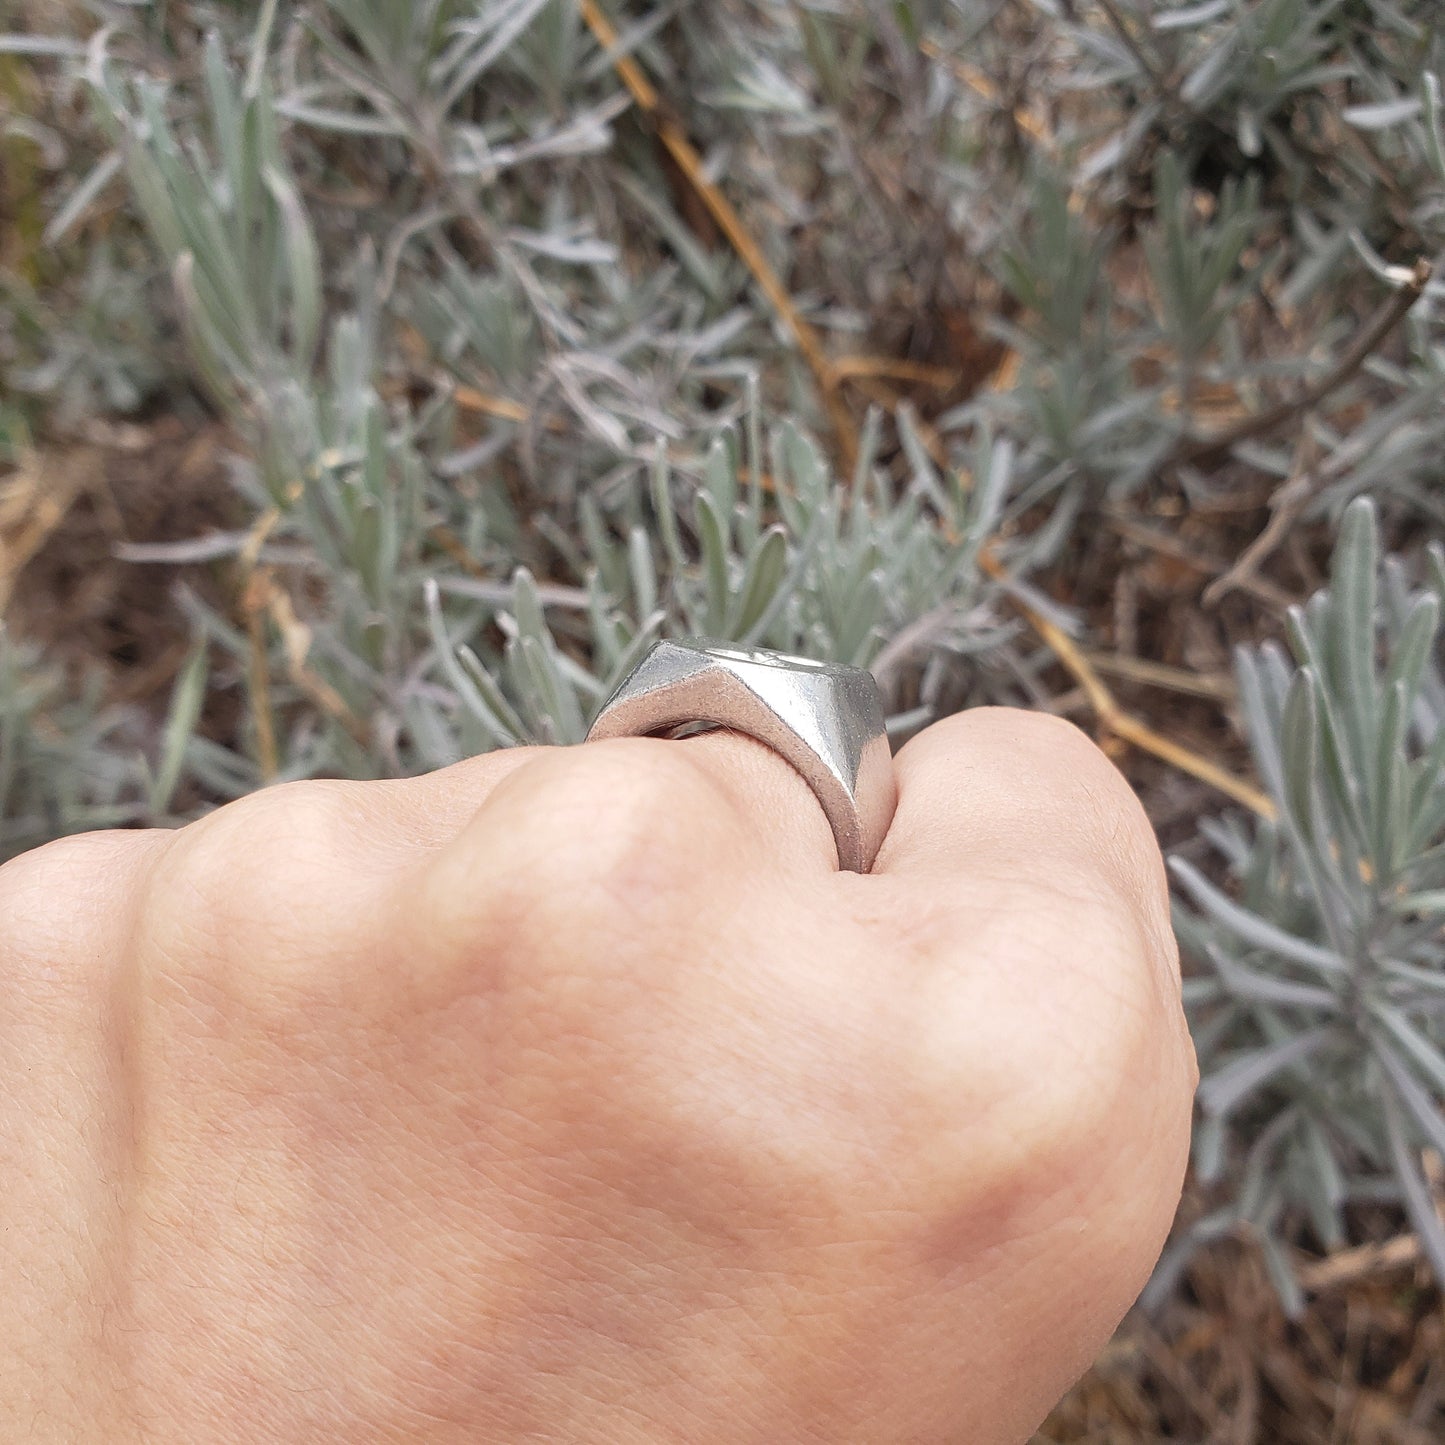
{"type": "Point", "coordinates": [1158, 674]}
{"type": "Point", "coordinates": [981, 83]}
{"type": "Point", "coordinates": [672, 135]}
{"type": "Point", "coordinates": [829, 374]}
{"type": "Point", "coordinates": [1285, 506]}
{"type": "Point", "coordinates": [1147, 63]}
{"type": "Point", "coordinates": [258, 679]}
{"type": "Point", "coordinates": [470, 399]}
{"type": "Point", "coordinates": [1350, 1265]}
{"type": "Point", "coordinates": [1172, 546]}
{"type": "Point", "coordinates": [1114, 720]}
{"type": "Point", "coordinates": [265, 598]}
{"type": "Point", "coordinates": [456, 549]}
{"type": "Point", "coordinates": [296, 638]}
{"type": "Point", "coordinates": [33, 503]}
{"type": "Point", "coordinates": [1379, 327]}
{"type": "Point", "coordinates": [901, 369]}
{"type": "Point", "coordinates": [254, 589]}
{"type": "Point", "coordinates": [262, 597]}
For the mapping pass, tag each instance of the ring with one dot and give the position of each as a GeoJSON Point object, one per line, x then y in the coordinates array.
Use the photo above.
{"type": "Point", "coordinates": [824, 718]}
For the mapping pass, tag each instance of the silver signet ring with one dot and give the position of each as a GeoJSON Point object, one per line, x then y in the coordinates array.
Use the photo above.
{"type": "Point", "coordinates": [825, 718]}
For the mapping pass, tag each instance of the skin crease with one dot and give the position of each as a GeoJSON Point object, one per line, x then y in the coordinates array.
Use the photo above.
{"type": "Point", "coordinates": [574, 1095]}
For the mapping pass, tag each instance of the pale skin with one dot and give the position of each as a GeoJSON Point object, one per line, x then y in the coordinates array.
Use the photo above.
{"type": "Point", "coordinates": [575, 1095]}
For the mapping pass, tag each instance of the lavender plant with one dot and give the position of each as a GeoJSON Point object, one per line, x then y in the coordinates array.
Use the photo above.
{"type": "Point", "coordinates": [1176, 174]}
{"type": "Point", "coordinates": [68, 761]}
{"type": "Point", "coordinates": [1318, 1018]}
{"type": "Point", "coordinates": [401, 624]}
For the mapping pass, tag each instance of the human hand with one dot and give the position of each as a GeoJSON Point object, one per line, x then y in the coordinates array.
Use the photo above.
{"type": "Point", "coordinates": [574, 1095]}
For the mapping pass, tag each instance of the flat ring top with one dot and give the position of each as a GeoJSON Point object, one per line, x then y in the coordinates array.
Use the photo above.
{"type": "Point", "coordinates": [824, 718]}
{"type": "Point", "coordinates": [766, 658]}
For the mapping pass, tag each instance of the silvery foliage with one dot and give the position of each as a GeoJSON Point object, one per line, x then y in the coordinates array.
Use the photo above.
{"type": "Point", "coordinates": [1261, 161]}
{"type": "Point", "coordinates": [103, 356]}
{"type": "Point", "coordinates": [1320, 1017]}
{"type": "Point", "coordinates": [89, 344]}
{"type": "Point", "coordinates": [1337, 109]}
{"type": "Point", "coordinates": [397, 540]}
{"type": "Point", "coordinates": [67, 761]}
{"type": "Point", "coordinates": [1251, 91]}
{"type": "Point", "coordinates": [1272, 158]}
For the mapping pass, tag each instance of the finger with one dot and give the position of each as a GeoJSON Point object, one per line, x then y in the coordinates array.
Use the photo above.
{"type": "Point", "coordinates": [1028, 871]}
{"type": "Point", "coordinates": [715, 803]}
{"type": "Point", "coordinates": [1007, 795]}
{"type": "Point", "coordinates": [430, 810]}
{"type": "Point", "coordinates": [748, 790]}
{"type": "Point", "coordinates": [780, 822]}
{"type": "Point", "coordinates": [311, 866]}
{"type": "Point", "coordinates": [611, 852]}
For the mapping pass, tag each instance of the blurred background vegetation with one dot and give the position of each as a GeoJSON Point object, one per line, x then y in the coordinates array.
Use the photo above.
{"type": "Point", "coordinates": [379, 378]}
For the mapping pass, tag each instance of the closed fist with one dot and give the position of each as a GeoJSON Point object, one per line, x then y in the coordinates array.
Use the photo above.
{"type": "Point", "coordinates": [574, 1095]}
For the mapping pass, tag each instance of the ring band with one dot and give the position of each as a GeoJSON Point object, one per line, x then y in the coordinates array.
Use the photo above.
{"type": "Point", "coordinates": [824, 718]}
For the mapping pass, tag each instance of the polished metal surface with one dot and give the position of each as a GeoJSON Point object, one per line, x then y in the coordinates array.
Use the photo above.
{"type": "Point", "coordinates": [825, 718]}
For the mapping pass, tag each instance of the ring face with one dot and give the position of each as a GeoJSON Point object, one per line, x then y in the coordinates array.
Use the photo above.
{"type": "Point", "coordinates": [825, 718]}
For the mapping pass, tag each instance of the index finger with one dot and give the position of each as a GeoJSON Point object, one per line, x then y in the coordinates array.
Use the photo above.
{"type": "Point", "coordinates": [1009, 795]}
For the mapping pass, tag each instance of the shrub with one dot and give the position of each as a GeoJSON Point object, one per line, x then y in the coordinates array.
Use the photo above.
{"type": "Point", "coordinates": [1319, 1019]}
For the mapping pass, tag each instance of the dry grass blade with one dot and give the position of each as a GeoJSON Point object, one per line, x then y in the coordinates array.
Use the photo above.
{"type": "Point", "coordinates": [34, 501]}
{"type": "Point", "coordinates": [1114, 720]}
{"type": "Point", "coordinates": [674, 137]}
{"type": "Point", "coordinates": [1158, 674]}
{"type": "Point", "coordinates": [258, 676]}
{"type": "Point", "coordinates": [938, 377]}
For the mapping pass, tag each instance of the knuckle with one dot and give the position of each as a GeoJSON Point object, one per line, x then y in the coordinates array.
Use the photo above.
{"type": "Point", "coordinates": [1103, 1088]}
{"type": "Point", "coordinates": [1048, 732]}
{"type": "Point", "coordinates": [1027, 730]}
{"type": "Point", "coordinates": [569, 873]}
{"type": "Point", "coordinates": [1059, 748]}
{"type": "Point", "coordinates": [250, 878]}
{"type": "Point", "coordinates": [59, 911]}
{"type": "Point", "coordinates": [299, 818]}
{"type": "Point", "coordinates": [1070, 756]}
{"type": "Point", "coordinates": [627, 815]}
{"type": "Point", "coordinates": [1093, 1040]}
{"type": "Point", "coordinates": [217, 857]}
{"type": "Point", "coordinates": [29, 881]}
{"type": "Point", "coordinates": [1117, 850]}
{"type": "Point", "coordinates": [38, 889]}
